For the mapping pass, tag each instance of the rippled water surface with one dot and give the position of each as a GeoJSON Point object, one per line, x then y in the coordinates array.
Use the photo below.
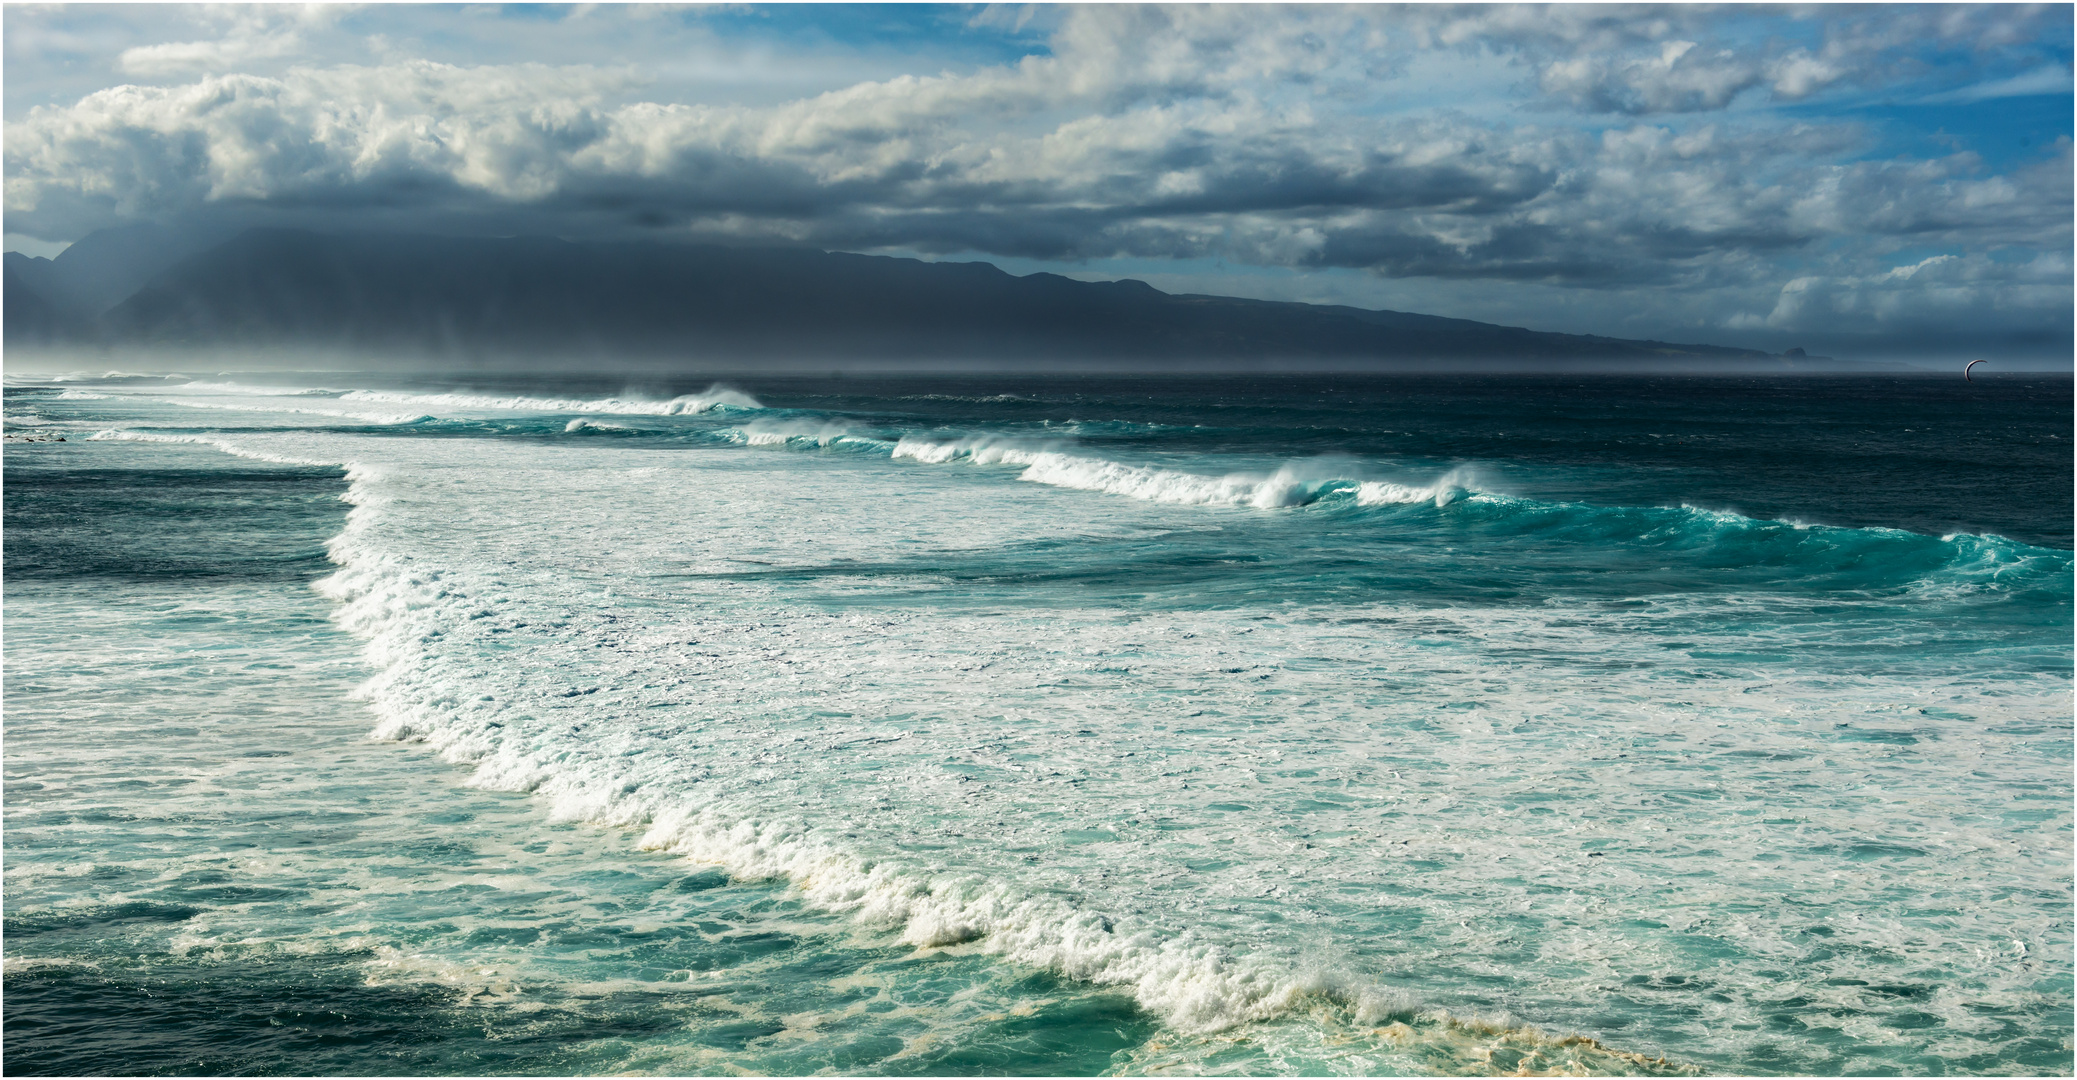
{"type": "Point", "coordinates": [1410, 725]}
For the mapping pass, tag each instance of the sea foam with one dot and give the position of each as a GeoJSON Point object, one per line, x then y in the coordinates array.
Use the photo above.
{"type": "Point", "coordinates": [236, 448]}
{"type": "Point", "coordinates": [1294, 484]}
{"type": "Point", "coordinates": [1354, 770]}
{"type": "Point", "coordinates": [714, 397]}
{"type": "Point", "coordinates": [399, 604]}
{"type": "Point", "coordinates": [387, 418]}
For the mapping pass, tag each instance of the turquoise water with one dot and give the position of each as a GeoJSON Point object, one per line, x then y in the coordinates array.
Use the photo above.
{"type": "Point", "coordinates": [1414, 725]}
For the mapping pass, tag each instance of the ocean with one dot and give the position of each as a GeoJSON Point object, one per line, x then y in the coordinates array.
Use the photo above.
{"type": "Point", "coordinates": [1421, 724]}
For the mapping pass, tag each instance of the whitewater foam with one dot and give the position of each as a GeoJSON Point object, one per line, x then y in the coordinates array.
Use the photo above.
{"type": "Point", "coordinates": [621, 774]}
{"type": "Point", "coordinates": [227, 445]}
{"type": "Point", "coordinates": [1200, 791]}
{"type": "Point", "coordinates": [237, 389]}
{"type": "Point", "coordinates": [1307, 482]}
{"type": "Point", "coordinates": [715, 397]}
{"type": "Point", "coordinates": [806, 433]}
{"type": "Point", "coordinates": [398, 604]}
{"type": "Point", "coordinates": [1293, 484]}
{"type": "Point", "coordinates": [1456, 485]}
{"type": "Point", "coordinates": [395, 604]}
{"type": "Point", "coordinates": [389, 418]}
{"type": "Point", "coordinates": [31, 378]}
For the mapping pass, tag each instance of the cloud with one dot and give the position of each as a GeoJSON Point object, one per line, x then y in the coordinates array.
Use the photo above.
{"type": "Point", "coordinates": [1638, 60]}
{"type": "Point", "coordinates": [1053, 157]}
{"type": "Point", "coordinates": [314, 134]}
{"type": "Point", "coordinates": [1678, 79]}
{"type": "Point", "coordinates": [1259, 137]}
{"type": "Point", "coordinates": [2049, 79]}
{"type": "Point", "coordinates": [1936, 295]}
{"type": "Point", "coordinates": [251, 32]}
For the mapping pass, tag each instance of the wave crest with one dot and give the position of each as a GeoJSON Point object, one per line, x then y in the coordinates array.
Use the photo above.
{"type": "Point", "coordinates": [713, 398]}
{"type": "Point", "coordinates": [1298, 483]}
{"type": "Point", "coordinates": [802, 433]}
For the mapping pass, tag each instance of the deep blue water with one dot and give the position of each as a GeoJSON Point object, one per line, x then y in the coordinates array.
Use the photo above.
{"type": "Point", "coordinates": [952, 725]}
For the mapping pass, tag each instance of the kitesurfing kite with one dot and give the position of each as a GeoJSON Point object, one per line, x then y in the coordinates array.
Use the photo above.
{"type": "Point", "coordinates": [1967, 367]}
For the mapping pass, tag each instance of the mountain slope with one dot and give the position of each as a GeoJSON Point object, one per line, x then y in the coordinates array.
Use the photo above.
{"type": "Point", "coordinates": [660, 302]}
{"type": "Point", "coordinates": [29, 316]}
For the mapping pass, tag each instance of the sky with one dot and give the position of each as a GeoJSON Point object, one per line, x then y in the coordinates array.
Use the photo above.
{"type": "Point", "coordinates": [1862, 181]}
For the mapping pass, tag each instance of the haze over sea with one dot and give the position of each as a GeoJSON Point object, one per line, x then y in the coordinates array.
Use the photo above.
{"type": "Point", "coordinates": [1392, 724]}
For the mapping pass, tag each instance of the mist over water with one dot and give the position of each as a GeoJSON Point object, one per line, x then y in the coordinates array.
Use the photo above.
{"type": "Point", "coordinates": [1328, 724]}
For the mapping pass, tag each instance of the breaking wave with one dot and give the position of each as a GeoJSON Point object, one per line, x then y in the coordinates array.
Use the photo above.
{"type": "Point", "coordinates": [406, 611]}
{"type": "Point", "coordinates": [235, 449]}
{"type": "Point", "coordinates": [1293, 484]}
{"type": "Point", "coordinates": [800, 434]}
{"type": "Point", "coordinates": [1868, 557]}
{"type": "Point", "coordinates": [581, 425]}
{"type": "Point", "coordinates": [251, 390]}
{"type": "Point", "coordinates": [713, 398]}
{"type": "Point", "coordinates": [386, 418]}
{"type": "Point", "coordinates": [415, 615]}
{"type": "Point", "coordinates": [399, 606]}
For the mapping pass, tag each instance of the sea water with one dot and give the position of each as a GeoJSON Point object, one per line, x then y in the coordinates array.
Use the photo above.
{"type": "Point", "coordinates": [1418, 724]}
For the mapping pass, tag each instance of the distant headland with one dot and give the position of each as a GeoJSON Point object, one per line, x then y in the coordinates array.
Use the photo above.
{"type": "Point", "coordinates": [647, 304]}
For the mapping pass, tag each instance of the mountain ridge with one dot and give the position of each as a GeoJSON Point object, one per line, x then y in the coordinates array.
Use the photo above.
{"type": "Point", "coordinates": [645, 303]}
